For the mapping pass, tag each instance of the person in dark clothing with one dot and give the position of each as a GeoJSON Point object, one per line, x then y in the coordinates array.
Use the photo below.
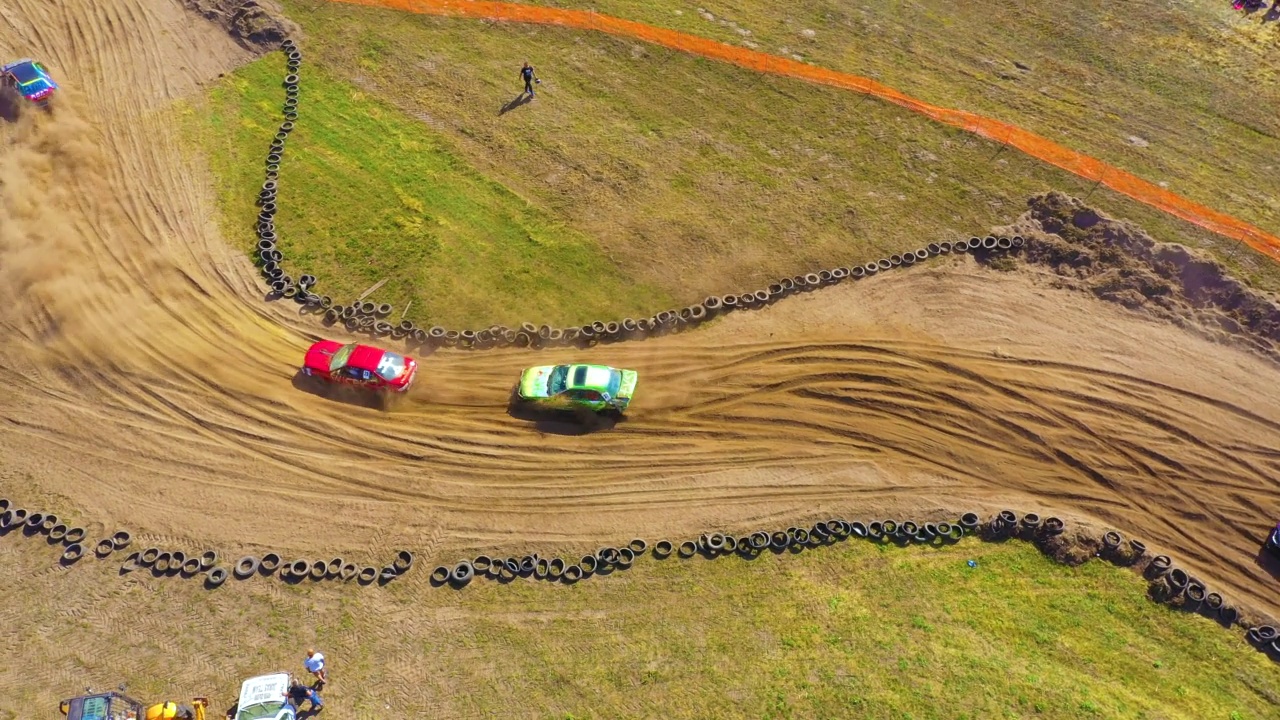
{"type": "Point", "coordinates": [526, 74]}
{"type": "Point", "coordinates": [299, 692]}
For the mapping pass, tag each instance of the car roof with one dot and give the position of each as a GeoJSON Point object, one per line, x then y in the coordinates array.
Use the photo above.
{"type": "Point", "coordinates": [263, 688]}
{"type": "Point", "coordinates": [594, 377]}
{"type": "Point", "coordinates": [365, 357]}
{"type": "Point", "coordinates": [17, 63]}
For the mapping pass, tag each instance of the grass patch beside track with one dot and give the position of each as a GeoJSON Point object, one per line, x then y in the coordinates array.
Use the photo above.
{"type": "Point", "coordinates": [853, 630]}
{"type": "Point", "coordinates": [695, 176]}
{"type": "Point", "coordinates": [637, 180]}
{"type": "Point", "coordinates": [367, 193]}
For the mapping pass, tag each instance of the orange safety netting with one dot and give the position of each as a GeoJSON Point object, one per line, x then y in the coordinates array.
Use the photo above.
{"type": "Point", "coordinates": [1011, 135]}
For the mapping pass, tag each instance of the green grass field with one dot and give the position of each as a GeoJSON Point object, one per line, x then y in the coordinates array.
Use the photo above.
{"type": "Point", "coordinates": [849, 631]}
{"type": "Point", "coordinates": [367, 194]}
{"type": "Point", "coordinates": [639, 178]}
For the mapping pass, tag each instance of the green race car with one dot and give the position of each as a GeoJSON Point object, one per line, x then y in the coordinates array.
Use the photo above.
{"type": "Point", "coordinates": [578, 387]}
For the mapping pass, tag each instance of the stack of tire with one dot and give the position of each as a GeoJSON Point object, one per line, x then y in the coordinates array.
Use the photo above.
{"type": "Point", "coordinates": [301, 569]}
{"type": "Point", "coordinates": [50, 527]}
{"type": "Point", "coordinates": [1176, 587]}
{"type": "Point", "coordinates": [602, 562]}
{"type": "Point", "coordinates": [678, 320]}
{"type": "Point", "coordinates": [270, 257]}
{"type": "Point", "coordinates": [170, 563]}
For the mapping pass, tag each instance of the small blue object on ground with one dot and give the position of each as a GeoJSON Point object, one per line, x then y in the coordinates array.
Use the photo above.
{"type": "Point", "coordinates": [973, 563]}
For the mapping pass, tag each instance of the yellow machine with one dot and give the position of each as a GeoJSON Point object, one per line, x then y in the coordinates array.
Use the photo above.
{"type": "Point", "coordinates": [118, 706]}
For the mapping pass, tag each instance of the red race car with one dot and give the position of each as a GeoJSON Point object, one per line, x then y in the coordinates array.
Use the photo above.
{"type": "Point", "coordinates": [359, 365]}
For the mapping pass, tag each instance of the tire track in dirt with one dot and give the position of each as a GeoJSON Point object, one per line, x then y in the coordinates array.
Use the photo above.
{"type": "Point", "coordinates": [149, 385]}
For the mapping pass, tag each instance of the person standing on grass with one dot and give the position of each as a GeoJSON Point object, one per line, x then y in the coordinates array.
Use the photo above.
{"type": "Point", "coordinates": [526, 74]}
{"type": "Point", "coordinates": [315, 665]}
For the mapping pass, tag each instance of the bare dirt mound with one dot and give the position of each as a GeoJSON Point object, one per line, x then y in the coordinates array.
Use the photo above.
{"type": "Point", "coordinates": [1119, 262]}
{"type": "Point", "coordinates": [258, 22]}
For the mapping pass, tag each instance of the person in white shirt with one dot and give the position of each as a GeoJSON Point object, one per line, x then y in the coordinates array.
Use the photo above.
{"type": "Point", "coordinates": [315, 665]}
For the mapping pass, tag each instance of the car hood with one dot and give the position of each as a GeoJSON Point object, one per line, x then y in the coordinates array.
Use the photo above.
{"type": "Point", "coordinates": [628, 386]}
{"type": "Point", "coordinates": [319, 355]}
{"type": "Point", "coordinates": [533, 382]}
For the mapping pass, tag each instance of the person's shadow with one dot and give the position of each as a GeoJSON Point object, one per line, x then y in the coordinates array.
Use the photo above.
{"type": "Point", "coordinates": [522, 99]}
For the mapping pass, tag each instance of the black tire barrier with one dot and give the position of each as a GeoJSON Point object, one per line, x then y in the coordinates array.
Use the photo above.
{"type": "Point", "coordinates": [988, 243]}
{"type": "Point", "coordinates": [1030, 523]}
{"type": "Point", "coordinates": [121, 539]}
{"type": "Point", "coordinates": [462, 574]}
{"type": "Point", "coordinates": [208, 559]}
{"type": "Point", "coordinates": [541, 569]}
{"type": "Point", "coordinates": [319, 570]}
{"type": "Point", "coordinates": [334, 567]}
{"type": "Point", "coordinates": [1177, 579]}
{"type": "Point", "coordinates": [662, 549]}
{"type": "Point", "coordinates": [1159, 565]}
{"type": "Point", "coordinates": [190, 567]}
{"type": "Point", "coordinates": [1267, 633]}
{"type": "Point", "coordinates": [969, 521]}
{"type": "Point", "coordinates": [1004, 243]}
{"type": "Point", "coordinates": [441, 575]}
{"type": "Point", "coordinates": [162, 563]}
{"type": "Point", "coordinates": [1138, 548]}
{"type": "Point", "coordinates": [72, 553]}
{"type": "Point", "coordinates": [589, 564]}
{"type": "Point", "coordinates": [1054, 526]}
{"type": "Point", "coordinates": [57, 533]}
{"type": "Point", "coordinates": [573, 574]}
{"type": "Point", "coordinates": [34, 521]}
{"type": "Point", "coordinates": [403, 561]}
{"type": "Point", "coordinates": [712, 303]}
{"type": "Point", "coordinates": [627, 556]}
{"type": "Point", "coordinates": [687, 549]}
{"type": "Point", "coordinates": [556, 568]}
{"type": "Point", "coordinates": [246, 566]}
{"type": "Point", "coordinates": [50, 522]}
{"type": "Point", "coordinates": [215, 577]}
{"type": "Point", "coordinates": [1018, 241]}
{"type": "Point", "coordinates": [1196, 592]}
{"type": "Point", "coordinates": [104, 547]}
{"type": "Point", "coordinates": [367, 575]}
{"type": "Point", "coordinates": [270, 563]}
{"type": "Point", "coordinates": [1229, 615]}
{"type": "Point", "coordinates": [1111, 540]}
{"type": "Point", "coordinates": [779, 541]}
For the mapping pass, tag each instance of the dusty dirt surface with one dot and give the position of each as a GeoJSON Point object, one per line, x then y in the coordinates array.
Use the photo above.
{"type": "Point", "coordinates": [148, 386]}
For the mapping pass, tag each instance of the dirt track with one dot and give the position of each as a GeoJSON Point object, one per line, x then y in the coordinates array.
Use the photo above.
{"type": "Point", "coordinates": [150, 387]}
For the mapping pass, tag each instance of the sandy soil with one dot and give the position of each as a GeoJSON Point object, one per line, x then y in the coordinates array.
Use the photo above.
{"type": "Point", "coordinates": [149, 387]}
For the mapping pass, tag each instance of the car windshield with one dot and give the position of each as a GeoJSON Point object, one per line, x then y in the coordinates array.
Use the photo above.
{"type": "Point", "coordinates": [340, 358]}
{"type": "Point", "coordinates": [259, 711]}
{"type": "Point", "coordinates": [391, 366]}
{"type": "Point", "coordinates": [556, 381]}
